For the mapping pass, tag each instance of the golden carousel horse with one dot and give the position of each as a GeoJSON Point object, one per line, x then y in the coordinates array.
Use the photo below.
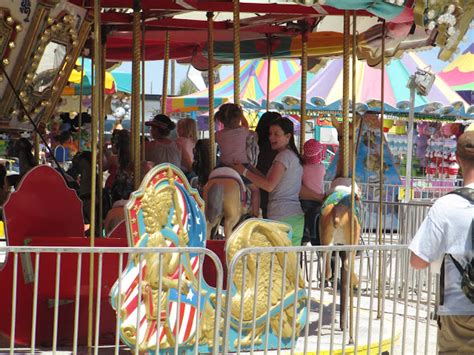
{"type": "Point", "coordinates": [225, 195]}
{"type": "Point", "coordinates": [336, 214]}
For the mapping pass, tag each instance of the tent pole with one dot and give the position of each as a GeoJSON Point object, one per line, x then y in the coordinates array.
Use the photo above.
{"type": "Point", "coordinates": [304, 77]}
{"type": "Point", "coordinates": [210, 75]}
{"type": "Point", "coordinates": [96, 108]}
{"type": "Point", "coordinates": [135, 139]}
{"type": "Point", "coordinates": [381, 176]}
{"type": "Point", "coordinates": [236, 35]}
{"type": "Point", "coordinates": [165, 73]}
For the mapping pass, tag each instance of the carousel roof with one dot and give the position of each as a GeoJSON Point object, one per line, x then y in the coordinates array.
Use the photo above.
{"type": "Point", "coordinates": [274, 28]}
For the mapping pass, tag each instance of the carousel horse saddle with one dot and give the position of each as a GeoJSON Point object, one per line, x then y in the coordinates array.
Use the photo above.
{"type": "Point", "coordinates": [229, 173]}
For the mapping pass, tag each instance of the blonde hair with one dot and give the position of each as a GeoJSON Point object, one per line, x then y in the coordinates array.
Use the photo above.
{"type": "Point", "coordinates": [188, 127]}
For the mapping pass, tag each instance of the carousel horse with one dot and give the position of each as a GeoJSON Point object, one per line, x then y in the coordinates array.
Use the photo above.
{"type": "Point", "coordinates": [336, 213]}
{"type": "Point", "coordinates": [225, 195]}
{"type": "Point", "coordinates": [227, 198]}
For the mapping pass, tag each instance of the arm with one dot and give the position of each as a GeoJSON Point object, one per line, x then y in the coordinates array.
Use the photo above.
{"type": "Point", "coordinates": [418, 263]}
{"type": "Point", "coordinates": [267, 183]}
{"type": "Point", "coordinates": [186, 160]}
{"type": "Point", "coordinates": [307, 194]}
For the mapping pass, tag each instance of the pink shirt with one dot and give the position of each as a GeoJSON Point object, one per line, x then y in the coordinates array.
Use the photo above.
{"type": "Point", "coordinates": [313, 177]}
{"type": "Point", "coordinates": [233, 145]}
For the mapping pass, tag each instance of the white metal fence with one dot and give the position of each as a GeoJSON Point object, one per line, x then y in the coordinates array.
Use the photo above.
{"type": "Point", "coordinates": [393, 308]}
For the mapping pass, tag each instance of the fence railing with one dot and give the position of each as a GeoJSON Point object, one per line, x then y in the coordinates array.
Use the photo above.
{"type": "Point", "coordinates": [422, 189]}
{"type": "Point", "coordinates": [276, 298]}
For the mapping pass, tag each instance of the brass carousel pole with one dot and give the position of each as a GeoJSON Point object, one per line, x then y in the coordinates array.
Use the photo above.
{"type": "Point", "coordinates": [353, 169]}
{"type": "Point", "coordinates": [210, 75]}
{"type": "Point", "coordinates": [96, 107]}
{"type": "Point", "coordinates": [346, 155]}
{"type": "Point", "coordinates": [304, 80]}
{"type": "Point", "coordinates": [381, 176]}
{"type": "Point", "coordinates": [269, 70]}
{"type": "Point", "coordinates": [135, 139]}
{"type": "Point", "coordinates": [142, 135]}
{"type": "Point", "coordinates": [100, 168]}
{"type": "Point", "coordinates": [37, 148]}
{"type": "Point", "coordinates": [236, 35]}
{"type": "Point", "coordinates": [165, 73]}
{"type": "Point", "coordinates": [81, 93]}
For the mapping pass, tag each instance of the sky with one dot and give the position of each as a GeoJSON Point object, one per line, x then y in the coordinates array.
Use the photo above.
{"type": "Point", "coordinates": [154, 69]}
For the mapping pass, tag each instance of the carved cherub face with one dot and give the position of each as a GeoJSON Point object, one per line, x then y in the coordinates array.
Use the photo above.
{"type": "Point", "coordinates": [157, 204]}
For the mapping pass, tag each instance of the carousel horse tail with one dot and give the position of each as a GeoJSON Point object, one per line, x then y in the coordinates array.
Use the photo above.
{"type": "Point", "coordinates": [214, 203]}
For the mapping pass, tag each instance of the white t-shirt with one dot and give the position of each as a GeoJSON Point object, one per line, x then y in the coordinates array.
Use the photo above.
{"type": "Point", "coordinates": [158, 153]}
{"type": "Point", "coordinates": [284, 200]}
{"type": "Point", "coordinates": [447, 230]}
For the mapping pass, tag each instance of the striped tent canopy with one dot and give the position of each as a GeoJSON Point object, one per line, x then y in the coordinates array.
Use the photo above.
{"type": "Point", "coordinates": [459, 74]}
{"type": "Point", "coordinates": [324, 90]}
{"type": "Point", "coordinates": [253, 86]}
{"type": "Point", "coordinates": [115, 81]}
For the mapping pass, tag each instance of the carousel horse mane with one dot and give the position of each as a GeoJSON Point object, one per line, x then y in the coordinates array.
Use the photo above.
{"type": "Point", "coordinates": [202, 163]}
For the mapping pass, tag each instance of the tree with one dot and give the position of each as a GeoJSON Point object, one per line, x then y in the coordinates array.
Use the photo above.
{"type": "Point", "coordinates": [186, 87]}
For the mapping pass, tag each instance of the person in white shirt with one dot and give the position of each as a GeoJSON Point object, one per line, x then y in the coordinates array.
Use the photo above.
{"type": "Point", "coordinates": [447, 230]}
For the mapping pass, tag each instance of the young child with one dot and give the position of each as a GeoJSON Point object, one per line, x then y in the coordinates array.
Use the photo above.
{"type": "Point", "coordinates": [313, 179]}
{"type": "Point", "coordinates": [313, 168]}
{"type": "Point", "coordinates": [233, 143]}
{"type": "Point", "coordinates": [187, 137]}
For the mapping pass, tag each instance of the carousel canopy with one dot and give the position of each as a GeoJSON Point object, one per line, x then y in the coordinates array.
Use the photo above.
{"type": "Point", "coordinates": [275, 28]}
{"type": "Point", "coordinates": [459, 74]}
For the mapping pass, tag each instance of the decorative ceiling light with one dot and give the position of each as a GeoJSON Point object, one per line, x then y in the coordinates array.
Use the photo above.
{"type": "Point", "coordinates": [450, 18]}
{"type": "Point", "coordinates": [396, 2]}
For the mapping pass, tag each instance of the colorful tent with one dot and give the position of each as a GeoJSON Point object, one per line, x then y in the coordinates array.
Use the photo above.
{"type": "Point", "coordinates": [253, 84]}
{"type": "Point", "coordinates": [325, 90]}
{"type": "Point", "coordinates": [459, 74]}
